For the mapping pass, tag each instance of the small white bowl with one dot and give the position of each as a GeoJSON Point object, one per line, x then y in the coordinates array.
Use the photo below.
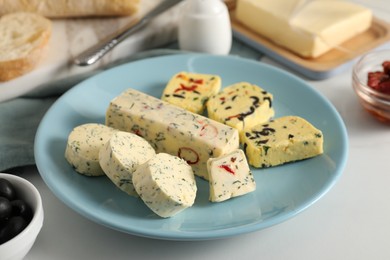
{"type": "Point", "coordinates": [19, 246]}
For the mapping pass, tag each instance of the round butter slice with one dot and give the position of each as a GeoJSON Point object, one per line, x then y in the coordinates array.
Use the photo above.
{"type": "Point", "coordinates": [83, 146]}
{"type": "Point", "coordinates": [166, 184]}
{"type": "Point", "coordinates": [121, 156]}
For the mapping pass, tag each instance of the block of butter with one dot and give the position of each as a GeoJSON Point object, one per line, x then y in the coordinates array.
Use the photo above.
{"type": "Point", "coordinates": [307, 28]}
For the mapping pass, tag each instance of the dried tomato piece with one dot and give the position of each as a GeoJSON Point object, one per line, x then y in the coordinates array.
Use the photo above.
{"type": "Point", "coordinates": [208, 131]}
{"type": "Point", "coordinates": [380, 80]}
{"type": "Point", "coordinates": [188, 154]}
{"type": "Point", "coordinates": [374, 78]}
{"type": "Point", "coordinates": [196, 81]}
{"type": "Point", "coordinates": [386, 67]}
{"type": "Point", "coordinates": [186, 88]}
{"type": "Point", "coordinates": [384, 87]}
{"type": "Point", "coordinates": [227, 168]}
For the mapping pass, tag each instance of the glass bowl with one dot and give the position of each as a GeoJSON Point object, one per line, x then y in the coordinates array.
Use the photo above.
{"type": "Point", "coordinates": [375, 102]}
{"type": "Point", "coordinates": [20, 245]}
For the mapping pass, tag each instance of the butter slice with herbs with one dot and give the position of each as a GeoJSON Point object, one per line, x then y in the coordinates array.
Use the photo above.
{"type": "Point", "coordinates": [83, 146]}
{"type": "Point", "coordinates": [285, 139]}
{"type": "Point", "coordinates": [191, 90]}
{"type": "Point", "coordinates": [241, 105]}
{"type": "Point", "coordinates": [308, 28]}
{"type": "Point", "coordinates": [121, 156]}
{"type": "Point", "coordinates": [171, 129]}
{"type": "Point", "coordinates": [230, 176]}
{"type": "Point", "coordinates": [166, 184]}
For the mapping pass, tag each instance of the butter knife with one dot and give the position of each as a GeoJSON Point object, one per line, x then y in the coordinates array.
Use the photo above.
{"type": "Point", "coordinates": [96, 52]}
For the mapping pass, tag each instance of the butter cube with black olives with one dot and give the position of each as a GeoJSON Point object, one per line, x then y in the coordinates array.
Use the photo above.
{"type": "Point", "coordinates": [241, 106]}
{"type": "Point", "coordinates": [282, 140]}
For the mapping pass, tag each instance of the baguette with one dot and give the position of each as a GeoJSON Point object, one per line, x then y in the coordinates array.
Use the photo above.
{"type": "Point", "coordinates": [24, 36]}
{"type": "Point", "coordinates": [71, 8]}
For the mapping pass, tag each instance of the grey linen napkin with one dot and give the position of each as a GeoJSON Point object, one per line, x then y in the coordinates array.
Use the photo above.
{"type": "Point", "coordinates": [20, 117]}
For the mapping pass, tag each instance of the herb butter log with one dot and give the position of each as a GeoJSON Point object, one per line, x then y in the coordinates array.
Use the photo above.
{"type": "Point", "coordinates": [166, 184]}
{"type": "Point", "coordinates": [285, 139]}
{"type": "Point", "coordinates": [121, 156]}
{"type": "Point", "coordinates": [241, 105]}
{"type": "Point", "coordinates": [230, 176]}
{"type": "Point", "coordinates": [191, 90]}
{"type": "Point", "coordinates": [83, 146]}
{"type": "Point", "coordinates": [171, 129]}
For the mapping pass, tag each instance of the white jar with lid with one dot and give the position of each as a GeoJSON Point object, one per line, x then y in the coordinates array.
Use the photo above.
{"type": "Point", "coordinates": [204, 26]}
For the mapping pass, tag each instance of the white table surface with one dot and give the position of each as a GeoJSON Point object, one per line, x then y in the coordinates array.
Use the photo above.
{"type": "Point", "coordinates": [352, 221]}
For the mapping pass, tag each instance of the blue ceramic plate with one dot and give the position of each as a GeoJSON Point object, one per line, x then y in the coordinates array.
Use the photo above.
{"type": "Point", "coordinates": [282, 192]}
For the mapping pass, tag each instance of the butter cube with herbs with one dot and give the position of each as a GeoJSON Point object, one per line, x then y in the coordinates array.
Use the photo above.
{"type": "Point", "coordinates": [230, 176]}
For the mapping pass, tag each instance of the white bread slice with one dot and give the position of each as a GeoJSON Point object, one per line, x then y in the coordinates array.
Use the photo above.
{"type": "Point", "coordinates": [24, 37]}
{"type": "Point", "coordinates": [71, 8]}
